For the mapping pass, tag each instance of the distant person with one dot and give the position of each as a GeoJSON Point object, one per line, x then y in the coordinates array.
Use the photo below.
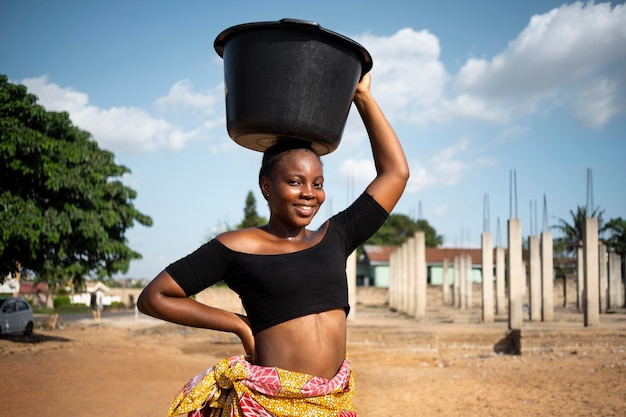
{"type": "Point", "coordinates": [292, 282]}
{"type": "Point", "coordinates": [96, 306]}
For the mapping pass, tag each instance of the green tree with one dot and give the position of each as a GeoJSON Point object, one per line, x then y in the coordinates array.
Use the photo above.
{"type": "Point", "coordinates": [64, 210]}
{"type": "Point", "coordinates": [399, 227]}
{"type": "Point", "coordinates": [250, 216]}
{"type": "Point", "coordinates": [617, 241]}
{"type": "Point", "coordinates": [573, 232]}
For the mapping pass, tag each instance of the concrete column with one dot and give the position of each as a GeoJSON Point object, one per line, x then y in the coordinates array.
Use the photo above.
{"type": "Point", "coordinates": [445, 283]}
{"type": "Point", "coordinates": [487, 270]}
{"type": "Point", "coordinates": [422, 279]}
{"type": "Point", "coordinates": [535, 278]}
{"type": "Point", "coordinates": [456, 285]}
{"type": "Point", "coordinates": [397, 279]}
{"type": "Point", "coordinates": [463, 281]}
{"type": "Point", "coordinates": [615, 274]}
{"type": "Point", "coordinates": [351, 274]}
{"type": "Point", "coordinates": [547, 277]}
{"type": "Point", "coordinates": [612, 302]}
{"type": "Point", "coordinates": [500, 284]}
{"type": "Point", "coordinates": [393, 280]}
{"type": "Point", "coordinates": [591, 300]}
{"type": "Point", "coordinates": [515, 274]}
{"type": "Point", "coordinates": [580, 277]}
{"type": "Point", "coordinates": [412, 274]}
{"type": "Point", "coordinates": [407, 277]}
{"type": "Point", "coordinates": [603, 276]}
{"type": "Point", "coordinates": [404, 289]}
{"type": "Point", "coordinates": [469, 296]}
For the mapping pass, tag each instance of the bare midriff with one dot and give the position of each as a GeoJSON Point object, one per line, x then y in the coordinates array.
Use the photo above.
{"type": "Point", "coordinates": [314, 344]}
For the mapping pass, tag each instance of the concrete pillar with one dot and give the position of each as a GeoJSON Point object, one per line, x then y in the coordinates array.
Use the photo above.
{"type": "Point", "coordinates": [469, 296]}
{"type": "Point", "coordinates": [500, 284]}
{"type": "Point", "coordinates": [351, 274]}
{"type": "Point", "coordinates": [612, 291]}
{"type": "Point", "coordinates": [393, 280]}
{"type": "Point", "coordinates": [463, 281]}
{"type": "Point", "coordinates": [422, 278]}
{"type": "Point", "coordinates": [547, 277]}
{"type": "Point", "coordinates": [398, 280]}
{"type": "Point", "coordinates": [580, 277]}
{"type": "Point", "coordinates": [404, 302]}
{"type": "Point", "coordinates": [412, 274]}
{"type": "Point", "coordinates": [615, 281]}
{"type": "Point", "coordinates": [515, 274]}
{"type": "Point", "coordinates": [603, 276]}
{"type": "Point", "coordinates": [445, 283]}
{"type": "Point", "coordinates": [591, 299]}
{"type": "Point", "coordinates": [456, 285]}
{"type": "Point", "coordinates": [487, 270]}
{"type": "Point", "coordinates": [534, 278]}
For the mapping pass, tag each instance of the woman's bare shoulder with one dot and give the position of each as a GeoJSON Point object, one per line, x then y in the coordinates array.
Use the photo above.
{"type": "Point", "coordinates": [244, 240]}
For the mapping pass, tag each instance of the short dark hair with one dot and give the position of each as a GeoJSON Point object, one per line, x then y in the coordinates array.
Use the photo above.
{"type": "Point", "coordinates": [274, 153]}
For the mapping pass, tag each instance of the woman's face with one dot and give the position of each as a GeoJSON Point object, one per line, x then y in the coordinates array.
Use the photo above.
{"type": "Point", "coordinates": [296, 190]}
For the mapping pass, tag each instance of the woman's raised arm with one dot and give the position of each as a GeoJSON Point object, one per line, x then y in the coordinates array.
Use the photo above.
{"type": "Point", "coordinates": [391, 165]}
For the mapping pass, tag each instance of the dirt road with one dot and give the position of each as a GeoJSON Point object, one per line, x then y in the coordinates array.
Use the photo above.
{"type": "Point", "coordinates": [444, 366]}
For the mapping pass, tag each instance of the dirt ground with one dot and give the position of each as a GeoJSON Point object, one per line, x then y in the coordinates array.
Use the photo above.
{"type": "Point", "coordinates": [445, 366]}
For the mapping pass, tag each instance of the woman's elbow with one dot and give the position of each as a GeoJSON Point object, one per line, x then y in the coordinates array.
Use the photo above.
{"type": "Point", "coordinates": [143, 303]}
{"type": "Point", "coordinates": [148, 299]}
{"type": "Point", "coordinates": [402, 175]}
{"type": "Point", "coordinates": [405, 173]}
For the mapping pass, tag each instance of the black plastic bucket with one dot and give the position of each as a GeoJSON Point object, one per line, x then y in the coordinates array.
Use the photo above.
{"type": "Point", "coordinates": [289, 79]}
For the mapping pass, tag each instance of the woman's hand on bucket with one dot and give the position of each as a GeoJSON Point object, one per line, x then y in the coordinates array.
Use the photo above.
{"type": "Point", "coordinates": [364, 84]}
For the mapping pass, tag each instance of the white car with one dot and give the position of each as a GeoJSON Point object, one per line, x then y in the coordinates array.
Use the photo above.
{"type": "Point", "coordinates": [16, 315]}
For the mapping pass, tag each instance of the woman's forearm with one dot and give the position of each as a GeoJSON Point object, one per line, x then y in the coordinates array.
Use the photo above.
{"type": "Point", "coordinates": [391, 166]}
{"type": "Point", "coordinates": [164, 299]}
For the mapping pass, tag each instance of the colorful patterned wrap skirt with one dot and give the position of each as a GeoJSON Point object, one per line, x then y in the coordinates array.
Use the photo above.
{"type": "Point", "coordinates": [236, 388]}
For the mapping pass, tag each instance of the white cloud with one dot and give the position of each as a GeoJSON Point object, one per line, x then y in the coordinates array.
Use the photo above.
{"type": "Point", "coordinates": [182, 96]}
{"type": "Point", "coordinates": [360, 172]}
{"type": "Point", "coordinates": [407, 74]}
{"type": "Point", "coordinates": [448, 167]}
{"type": "Point", "coordinates": [573, 55]}
{"type": "Point", "coordinates": [55, 98]}
{"type": "Point", "coordinates": [132, 129]}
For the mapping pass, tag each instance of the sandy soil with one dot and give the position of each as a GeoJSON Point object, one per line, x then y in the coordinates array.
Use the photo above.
{"type": "Point", "coordinates": [444, 366]}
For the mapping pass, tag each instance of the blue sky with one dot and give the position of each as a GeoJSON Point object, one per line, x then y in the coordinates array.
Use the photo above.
{"type": "Point", "coordinates": [474, 89]}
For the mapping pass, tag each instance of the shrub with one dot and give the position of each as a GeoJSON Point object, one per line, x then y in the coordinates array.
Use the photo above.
{"type": "Point", "coordinates": [61, 301]}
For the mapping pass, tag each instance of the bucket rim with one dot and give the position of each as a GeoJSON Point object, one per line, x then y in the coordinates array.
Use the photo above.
{"type": "Point", "coordinates": [298, 25]}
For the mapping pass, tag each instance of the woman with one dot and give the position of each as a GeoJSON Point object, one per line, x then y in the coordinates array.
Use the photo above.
{"type": "Point", "coordinates": [291, 279]}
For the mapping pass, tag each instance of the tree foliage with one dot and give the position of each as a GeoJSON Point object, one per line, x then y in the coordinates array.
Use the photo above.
{"type": "Point", "coordinates": [399, 227]}
{"type": "Point", "coordinates": [617, 239]}
{"type": "Point", "coordinates": [573, 232]}
{"type": "Point", "coordinates": [64, 210]}
{"type": "Point", "coordinates": [250, 216]}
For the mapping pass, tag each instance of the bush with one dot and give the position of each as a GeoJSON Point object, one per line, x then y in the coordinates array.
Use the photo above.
{"type": "Point", "coordinates": [72, 309]}
{"type": "Point", "coordinates": [61, 301]}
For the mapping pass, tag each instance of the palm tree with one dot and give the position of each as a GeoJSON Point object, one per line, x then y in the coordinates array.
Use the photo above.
{"type": "Point", "coordinates": [573, 232]}
{"type": "Point", "coordinates": [617, 241]}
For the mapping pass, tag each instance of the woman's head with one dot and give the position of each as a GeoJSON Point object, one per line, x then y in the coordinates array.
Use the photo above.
{"type": "Point", "coordinates": [292, 181]}
{"type": "Point", "coordinates": [278, 151]}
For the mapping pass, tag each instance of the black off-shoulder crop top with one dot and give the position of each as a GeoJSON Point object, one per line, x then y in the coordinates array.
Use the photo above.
{"type": "Point", "coordinates": [278, 288]}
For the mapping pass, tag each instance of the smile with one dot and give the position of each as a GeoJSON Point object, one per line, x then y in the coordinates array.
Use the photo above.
{"type": "Point", "coordinates": [304, 208]}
